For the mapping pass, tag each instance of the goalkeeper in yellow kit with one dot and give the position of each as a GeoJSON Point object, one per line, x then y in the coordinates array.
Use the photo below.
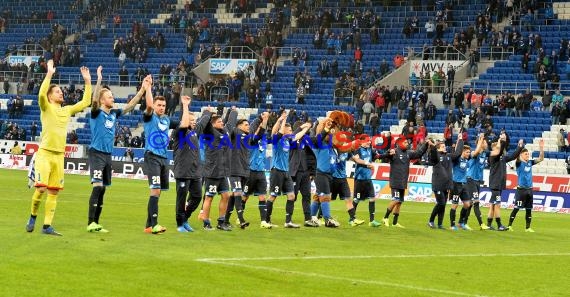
{"type": "Point", "coordinates": [49, 158]}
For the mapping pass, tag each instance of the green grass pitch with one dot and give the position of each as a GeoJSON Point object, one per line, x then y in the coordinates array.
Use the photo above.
{"type": "Point", "coordinates": [360, 261]}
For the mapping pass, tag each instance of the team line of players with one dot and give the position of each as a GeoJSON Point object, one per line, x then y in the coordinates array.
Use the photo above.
{"type": "Point", "coordinates": [239, 173]}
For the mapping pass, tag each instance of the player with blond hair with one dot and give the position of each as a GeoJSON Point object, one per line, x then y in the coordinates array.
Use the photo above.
{"type": "Point", "coordinates": [103, 121]}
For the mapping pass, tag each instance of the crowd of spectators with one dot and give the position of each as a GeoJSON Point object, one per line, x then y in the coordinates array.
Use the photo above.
{"type": "Point", "coordinates": [133, 46]}
{"type": "Point", "coordinates": [124, 138]}
{"type": "Point", "coordinates": [15, 107]}
{"type": "Point", "coordinates": [11, 131]}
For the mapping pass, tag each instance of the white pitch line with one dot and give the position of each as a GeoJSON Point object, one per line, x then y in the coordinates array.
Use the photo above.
{"type": "Point", "coordinates": [381, 257]}
{"type": "Point", "coordinates": [344, 279]}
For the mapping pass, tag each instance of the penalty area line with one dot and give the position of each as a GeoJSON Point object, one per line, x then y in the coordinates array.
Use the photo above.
{"type": "Point", "coordinates": [336, 278]}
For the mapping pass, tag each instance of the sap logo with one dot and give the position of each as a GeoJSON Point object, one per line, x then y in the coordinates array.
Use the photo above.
{"type": "Point", "coordinates": [16, 60]}
{"type": "Point", "coordinates": [243, 65]}
{"type": "Point", "coordinates": [218, 66]}
{"type": "Point", "coordinates": [420, 191]}
{"type": "Point", "coordinates": [548, 200]}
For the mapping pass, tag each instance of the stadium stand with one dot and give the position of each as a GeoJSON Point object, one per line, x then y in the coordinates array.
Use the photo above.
{"type": "Point", "coordinates": [157, 17]}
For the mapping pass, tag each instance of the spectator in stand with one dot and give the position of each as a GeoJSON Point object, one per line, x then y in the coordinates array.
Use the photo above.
{"type": "Point", "coordinates": [448, 136]}
{"type": "Point", "coordinates": [3, 23]}
{"type": "Point", "coordinates": [431, 111]}
{"type": "Point", "coordinates": [380, 103]}
{"type": "Point", "coordinates": [367, 109]}
{"type": "Point", "coordinates": [450, 119]}
{"type": "Point", "coordinates": [123, 76]}
{"type": "Point", "coordinates": [536, 105]}
{"type": "Point", "coordinates": [300, 99]}
{"type": "Point", "coordinates": [560, 141]}
{"type": "Point", "coordinates": [33, 131]}
{"type": "Point", "coordinates": [547, 100]}
{"type": "Point", "coordinates": [323, 68]}
{"type": "Point", "coordinates": [487, 103]}
{"type": "Point", "coordinates": [122, 58]}
{"type": "Point", "coordinates": [459, 98]}
{"type": "Point", "coordinates": [413, 79]}
{"type": "Point", "coordinates": [296, 55]}
{"type": "Point", "coordinates": [129, 155]}
{"type": "Point", "coordinates": [18, 106]}
{"type": "Point", "coordinates": [450, 76]}
{"type": "Point", "coordinates": [136, 142]}
{"type": "Point", "coordinates": [303, 58]}
{"type": "Point", "coordinates": [430, 28]}
{"type": "Point", "coordinates": [6, 85]}
{"type": "Point", "coordinates": [436, 79]}
{"type": "Point", "coordinates": [384, 68]}
{"type": "Point", "coordinates": [398, 61]}
{"type": "Point", "coordinates": [555, 113]}
{"type": "Point", "coordinates": [446, 98]}
{"type": "Point", "coordinates": [402, 106]}
{"type": "Point", "coordinates": [72, 137]}
{"type": "Point", "coordinates": [473, 63]}
{"type": "Point", "coordinates": [117, 20]}
{"type": "Point", "coordinates": [487, 122]}
{"type": "Point", "coordinates": [374, 123]}
{"type": "Point", "coordinates": [568, 164]}
{"type": "Point", "coordinates": [16, 150]}
{"type": "Point", "coordinates": [557, 97]}
{"type": "Point", "coordinates": [358, 54]}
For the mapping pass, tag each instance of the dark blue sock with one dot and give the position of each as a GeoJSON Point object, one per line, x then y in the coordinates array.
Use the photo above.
{"type": "Point", "coordinates": [326, 208]}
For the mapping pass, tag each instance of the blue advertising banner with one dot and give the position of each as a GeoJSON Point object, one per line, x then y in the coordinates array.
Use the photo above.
{"type": "Point", "coordinates": [12, 60]}
{"type": "Point", "coordinates": [542, 201]}
{"type": "Point", "coordinates": [226, 66]}
{"type": "Point", "coordinates": [119, 155]}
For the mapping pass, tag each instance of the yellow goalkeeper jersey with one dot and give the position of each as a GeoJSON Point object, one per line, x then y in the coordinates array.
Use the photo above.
{"type": "Point", "coordinates": [55, 118]}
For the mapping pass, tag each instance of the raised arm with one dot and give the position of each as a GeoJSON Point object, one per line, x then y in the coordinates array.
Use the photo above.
{"type": "Point", "coordinates": [516, 153]}
{"type": "Point", "coordinates": [148, 98]}
{"type": "Point", "coordinates": [479, 147]}
{"type": "Point", "coordinates": [458, 149]}
{"type": "Point", "coordinates": [279, 125]}
{"type": "Point", "coordinates": [185, 120]}
{"type": "Point", "coordinates": [541, 154]}
{"type": "Point", "coordinates": [96, 103]}
{"type": "Point", "coordinates": [502, 144]}
{"type": "Point", "coordinates": [261, 128]}
{"type": "Point", "coordinates": [433, 156]}
{"type": "Point", "coordinates": [304, 128]}
{"type": "Point", "coordinates": [323, 129]}
{"type": "Point", "coordinates": [203, 120]}
{"type": "Point", "coordinates": [135, 100]}
{"type": "Point", "coordinates": [86, 101]}
{"type": "Point", "coordinates": [231, 120]}
{"type": "Point", "coordinates": [419, 152]}
{"type": "Point", "coordinates": [42, 97]}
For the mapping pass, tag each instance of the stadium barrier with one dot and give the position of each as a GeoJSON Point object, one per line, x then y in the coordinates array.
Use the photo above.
{"type": "Point", "coordinates": [30, 147]}
{"type": "Point", "coordinates": [551, 192]}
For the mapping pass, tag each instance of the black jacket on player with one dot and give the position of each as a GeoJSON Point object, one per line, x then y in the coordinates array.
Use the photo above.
{"type": "Point", "coordinates": [218, 151]}
{"type": "Point", "coordinates": [442, 174]}
{"type": "Point", "coordinates": [186, 145]}
{"type": "Point", "coordinates": [400, 165]}
{"type": "Point", "coordinates": [242, 143]}
{"type": "Point", "coordinates": [498, 167]}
